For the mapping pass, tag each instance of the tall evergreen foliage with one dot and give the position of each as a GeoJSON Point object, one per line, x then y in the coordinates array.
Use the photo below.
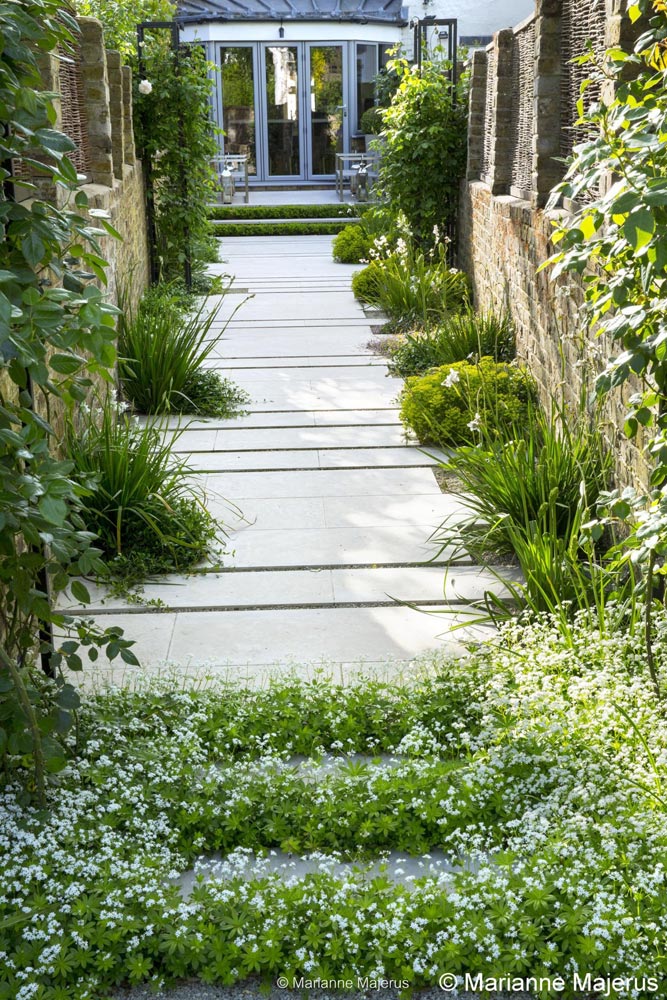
{"type": "Point", "coordinates": [56, 336]}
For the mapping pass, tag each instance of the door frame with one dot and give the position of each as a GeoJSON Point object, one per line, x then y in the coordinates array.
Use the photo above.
{"type": "Point", "coordinates": [346, 96]}
{"type": "Point", "coordinates": [349, 96]}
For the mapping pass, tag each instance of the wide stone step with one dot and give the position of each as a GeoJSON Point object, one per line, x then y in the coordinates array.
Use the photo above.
{"type": "Point", "coordinates": [313, 458]}
{"type": "Point", "coordinates": [304, 587]}
{"type": "Point", "coordinates": [250, 646]}
{"type": "Point", "coordinates": [237, 439]}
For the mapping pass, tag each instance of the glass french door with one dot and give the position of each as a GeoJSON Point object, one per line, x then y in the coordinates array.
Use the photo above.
{"type": "Point", "coordinates": [327, 108]}
{"type": "Point", "coordinates": [285, 106]}
{"type": "Point", "coordinates": [282, 101]}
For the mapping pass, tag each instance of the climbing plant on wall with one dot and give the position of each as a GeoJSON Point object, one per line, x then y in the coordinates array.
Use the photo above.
{"type": "Point", "coordinates": [424, 155]}
{"type": "Point", "coordinates": [56, 335]}
{"type": "Point", "coordinates": [176, 137]}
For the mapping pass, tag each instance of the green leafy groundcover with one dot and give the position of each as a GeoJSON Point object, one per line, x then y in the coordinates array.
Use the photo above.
{"type": "Point", "coordinates": [283, 211]}
{"type": "Point", "coordinates": [278, 228]}
{"type": "Point", "coordinates": [539, 760]}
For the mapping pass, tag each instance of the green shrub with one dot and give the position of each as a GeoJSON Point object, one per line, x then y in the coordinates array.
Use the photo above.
{"type": "Point", "coordinates": [161, 353]}
{"type": "Point", "coordinates": [351, 245]}
{"type": "Point", "coordinates": [371, 122]}
{"type": "Point", "coordinates": [461, 337]}
{"type": "Point", "coordinates": [208, 393]}
{"type": "Point", "coordinates": [448, 405]}
{"type": "Point", "coordinates": [365, 283]}
{"type": "Point", "coordinates": [424, 155]}
{"type": "Point", "coordinates": [138, 501]}
{"type": "Point", "coordinates": [229, 229]}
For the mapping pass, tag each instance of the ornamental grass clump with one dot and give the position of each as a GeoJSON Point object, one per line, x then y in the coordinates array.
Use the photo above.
{"type": "Point", "coordinates": [530, 497]}
{"type": "Point", "coordinates": [463, 337]}
{"type": "Point", "coordinates": [163, 347]}
{"type": "Point", "coordinates": [138, 499]}
{"type": "Point", "coordinates": [450, 404]}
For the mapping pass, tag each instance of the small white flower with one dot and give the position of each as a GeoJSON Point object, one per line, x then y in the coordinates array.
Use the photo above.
{"type": "Point", "coordinates": [475, 423]}
{"type": "Point", "coordinates": [452, 379]}
{"type": "Point", "coordinates": [145, 87]}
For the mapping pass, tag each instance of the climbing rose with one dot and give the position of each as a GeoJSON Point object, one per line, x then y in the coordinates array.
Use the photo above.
{"type": "Point", "coordinates": [145, 87]}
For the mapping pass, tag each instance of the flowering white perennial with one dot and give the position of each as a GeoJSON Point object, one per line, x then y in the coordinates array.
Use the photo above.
{"type": "Point", "coordinates": [145, 87]}
{"type": "Point", "coordinates": [452, 378]}
{"type": "Point", "coordinates": [536, 765]}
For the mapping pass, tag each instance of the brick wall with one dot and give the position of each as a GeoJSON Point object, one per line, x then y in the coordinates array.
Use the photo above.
{"type": "Point", "coordinates": [504, 239]}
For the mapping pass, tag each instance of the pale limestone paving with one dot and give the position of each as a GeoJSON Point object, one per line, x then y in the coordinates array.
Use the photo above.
{"type": "Point", "coordinates": [330, 510]}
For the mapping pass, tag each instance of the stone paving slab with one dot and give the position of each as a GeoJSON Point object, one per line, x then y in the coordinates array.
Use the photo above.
{"type": "Point", "coordinates": [312, 635]}
{"type": "Point", "coordinates": [320, 483]}
{"type": "Point", "coordinates": [350, 398]}
{"type": "Point", "coordinates": [226, 643]}
{"type": "Point", "coordinates": [245, 363]}
{"type": "Point", "coordinates": [288, 418]}
{"type": "Point", "coordinates": [430, 511]}
{"type": "Point", "coordinates": [259, 439]}
{"type": "Point", "coordinates": [333, 458]}
{"type": "Point", "coordinates": [372, 545]}
{"type": "Point", "coordinates": [310, 375]}
{"type": "Point", "coordinates": [312, 586]}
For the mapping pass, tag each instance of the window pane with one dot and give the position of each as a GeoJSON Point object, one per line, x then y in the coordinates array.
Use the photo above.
{"type": "Point", "coordinates": [326, 106]}
{"type": "Point", "coordinates": [238, 103]}
{"type": "Point", "coordinates": [367, 56]}
{"type": "Point", "coordinates": [282, 102]}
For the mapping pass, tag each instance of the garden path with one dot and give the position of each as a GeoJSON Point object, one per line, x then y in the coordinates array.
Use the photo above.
{"type": "Point", "coordinates": [334, 507]}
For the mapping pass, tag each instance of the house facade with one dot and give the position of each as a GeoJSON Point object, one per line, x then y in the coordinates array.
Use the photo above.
{"type": "Point", "coordinates": [295, 76]}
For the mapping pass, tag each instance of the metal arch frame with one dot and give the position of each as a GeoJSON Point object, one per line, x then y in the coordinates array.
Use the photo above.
{"type": "Point", "coordinates": [420, 27]}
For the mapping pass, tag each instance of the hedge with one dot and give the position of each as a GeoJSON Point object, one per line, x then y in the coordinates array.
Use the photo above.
{"type": "Point", "coordinates": [278, 229]}
{"type": "Point", "coordinates": [283, 211]}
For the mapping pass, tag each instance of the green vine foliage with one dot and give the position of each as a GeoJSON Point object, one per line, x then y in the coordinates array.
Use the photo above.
{"type": "Point", "coordinates": [56, 335]}
{"type": "Point", "coordinates": [424, 154]}
{"type": "Point", "coordinates": [175, 132]}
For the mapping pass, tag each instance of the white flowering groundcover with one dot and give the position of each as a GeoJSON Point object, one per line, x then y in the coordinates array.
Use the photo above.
{"type": "Point", "coordinates": [540, 761]}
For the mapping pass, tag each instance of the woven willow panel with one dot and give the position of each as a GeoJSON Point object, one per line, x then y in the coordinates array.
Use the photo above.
{"type": "Point", "coordinates": [73, 109]}
{"type": "Point", "coordinates": [522, 120]}
{"type": "Point", "coordinates": [488, 112]}
{"type": "Point", "coordinates": [582, 23]}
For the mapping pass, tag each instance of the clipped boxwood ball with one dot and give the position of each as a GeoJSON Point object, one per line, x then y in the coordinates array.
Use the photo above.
{"type": "Point", "coordinates": [440, 406]}
{"type": "Point", "coordinates": [365, 283]}
{"type": "Point", "coordinates": [351, 245]}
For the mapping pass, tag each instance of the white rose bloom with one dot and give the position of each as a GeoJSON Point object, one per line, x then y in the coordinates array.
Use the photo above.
{"type": "Point", "coordinates": [145, 87]}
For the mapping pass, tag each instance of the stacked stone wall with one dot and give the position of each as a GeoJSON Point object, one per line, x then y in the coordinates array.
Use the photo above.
{"type": "Point", "coordinates": [504, 239]}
